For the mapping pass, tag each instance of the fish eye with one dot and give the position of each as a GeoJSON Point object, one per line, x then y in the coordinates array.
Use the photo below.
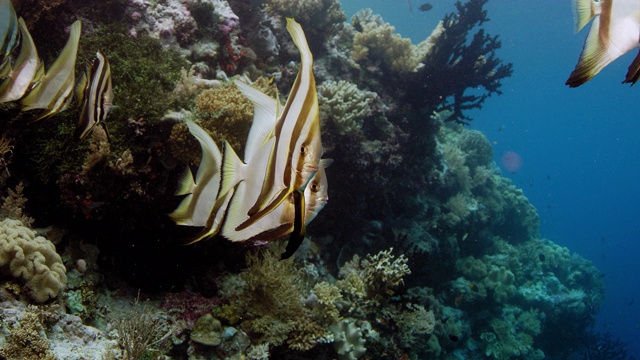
{"type": "Point", "coordinates": [314, 187]}
{"type": "Point", "coordinates": [303, 150]}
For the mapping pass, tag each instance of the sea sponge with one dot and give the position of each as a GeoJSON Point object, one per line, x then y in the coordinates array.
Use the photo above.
{"type": "Point", "coordinates": [33, 259]}
{"type": "Point", "coordinates": [348, 340]}
{"type": "Point", "coordinates": [346, 106]}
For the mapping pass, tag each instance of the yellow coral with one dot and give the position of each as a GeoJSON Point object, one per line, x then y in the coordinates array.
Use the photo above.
{"type": "Point", "coordinates": [226, 114]}
{"type": "Point", "coordinates": [32, 258]}
{"type": "Point", "coordinates": [25, 342]}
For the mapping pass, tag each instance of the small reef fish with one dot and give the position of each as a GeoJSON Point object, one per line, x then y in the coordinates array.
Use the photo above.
{"type": "Point", "coordinates": [614, 32]}
{"type": "Point", "coordinates": [53, 92]}
{"type": "Point", "coordinates": [425, 7]}
{"type": "Point", "coordinates": [96, 98]}
{"type": "Point", "coordinates": [25, 69]}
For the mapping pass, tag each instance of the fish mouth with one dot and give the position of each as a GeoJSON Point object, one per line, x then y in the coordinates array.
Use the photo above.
{"type": "Point", "coordinates": [323, 199]}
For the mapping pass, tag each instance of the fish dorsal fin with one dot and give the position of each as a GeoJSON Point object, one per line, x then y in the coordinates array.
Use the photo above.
{"type": "Point", "coordinates": [52, 92]}
{"type": "Point", "coordinates": [211, 156]}
{"type": "Point", "coordinates": [583, 12]}
{"type": "Point", "coordinates": [264, 119]}
{"type": "Point", "coordinates": [232, 168]}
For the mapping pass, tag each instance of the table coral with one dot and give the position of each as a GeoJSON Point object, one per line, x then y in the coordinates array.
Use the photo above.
{"type": "Point", "coordinates": [33, 259]}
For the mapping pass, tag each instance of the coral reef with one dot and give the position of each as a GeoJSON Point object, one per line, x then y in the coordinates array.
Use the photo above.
{"type": "Point", "coordinates": [441, 258]}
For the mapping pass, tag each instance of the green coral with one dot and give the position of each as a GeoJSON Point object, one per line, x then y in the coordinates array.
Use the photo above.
{"type": "Point", "coordinates": [348, 342]}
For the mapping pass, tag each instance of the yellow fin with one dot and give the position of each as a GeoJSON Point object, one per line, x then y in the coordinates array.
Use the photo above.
{"type": "Point", "coordinates": [186, 183]}
{"type": "Point", "coordinates": [231, 169]}
{"type": "Point", "coordinates": [583, 12]}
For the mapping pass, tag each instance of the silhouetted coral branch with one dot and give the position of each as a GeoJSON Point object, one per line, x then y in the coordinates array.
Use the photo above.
{"type": "Point", "coordinates": [456, 64]}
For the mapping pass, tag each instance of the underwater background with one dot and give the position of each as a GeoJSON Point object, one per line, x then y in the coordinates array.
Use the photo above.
{"type": "Point", "coordinates": [579, 146]}
{"type": "Point", "coordinates": [424, 250]}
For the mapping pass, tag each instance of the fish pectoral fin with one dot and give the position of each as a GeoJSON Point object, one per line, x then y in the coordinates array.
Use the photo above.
{"type": "Point", "coordinates": [583, 12]}
{"type": "Point", "coordinates": [185, 183]}
{"type": "Point", "coordinates": [297, 235]}
{"type": "Point", "coordinates": [231, 169]}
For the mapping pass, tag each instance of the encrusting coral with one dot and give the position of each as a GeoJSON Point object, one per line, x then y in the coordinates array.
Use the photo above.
{"type": "Point", "coordinates": [33, 259]}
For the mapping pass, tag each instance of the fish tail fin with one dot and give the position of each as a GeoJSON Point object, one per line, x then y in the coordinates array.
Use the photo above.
{"type": "Point", "coordinates": [634, 71]}
{"type": "Point", "coordinates": [583, 12]}
{"type": "Point", "coordinates": [594, 57]}
{"type": "Point", "coordinates": [231, 169]}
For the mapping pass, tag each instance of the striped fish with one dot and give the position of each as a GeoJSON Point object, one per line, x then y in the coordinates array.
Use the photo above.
{"type": "Point", "coordinates": [25, 70]}
{"type": "Point", "coordinates": [54, 91]}
{"type": "Point", "coordinates": [294, 157]}
{"type": "Point", "coordinates": [614, 32]}
{"type": "Point", "coordinates": [96, 98]}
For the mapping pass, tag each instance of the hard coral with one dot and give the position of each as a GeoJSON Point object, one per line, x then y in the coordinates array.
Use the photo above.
{"type": "Point", "coordinates": [457, 62]}
{"type": "Point", "coordinates": [32, 258]}
{"type": "Point", "coordinates": [26, 341]}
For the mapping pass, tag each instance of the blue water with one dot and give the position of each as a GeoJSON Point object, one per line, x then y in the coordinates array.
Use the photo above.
{"type": "Point", "coordinates": [580, 147]}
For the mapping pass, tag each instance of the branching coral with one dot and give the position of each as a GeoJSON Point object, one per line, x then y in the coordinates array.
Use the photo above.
{"type": "Point", "coordinates": [33, 259]}
{"type": "Point", "coordinates": [26, 341]}
{"type": "Point", "coordinates": [458, 61]}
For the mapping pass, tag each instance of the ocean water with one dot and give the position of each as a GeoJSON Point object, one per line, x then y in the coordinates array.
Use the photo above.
{"type": "Point", "coordinates": [580, 148]}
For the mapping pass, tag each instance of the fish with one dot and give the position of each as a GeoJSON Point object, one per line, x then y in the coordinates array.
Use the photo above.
{"type": "Point", "coordinates": [297, 150]}
{"type": "Point", "coordinates": [26, 68]}
{"type": "Point", "coordinates": [54, 90]}
{"type": "Point", "coordinates": [9, 32]}
{"type": "Point", "coordinates": [200, 192]}
{"type": "Point", "coordinates": [614, 32]}
{"type": "Point", "coordinates": [312, 202]}
{"type": "Point", "coordinates": [316, 194]}
{"type": "Point", "coordinates": [97, 98]}
{"type": "Point", "coordinates": [425, 7]}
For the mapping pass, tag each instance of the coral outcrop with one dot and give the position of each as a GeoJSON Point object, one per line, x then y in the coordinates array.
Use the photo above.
{"type": "Point", "coordinates": [33, 259]}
